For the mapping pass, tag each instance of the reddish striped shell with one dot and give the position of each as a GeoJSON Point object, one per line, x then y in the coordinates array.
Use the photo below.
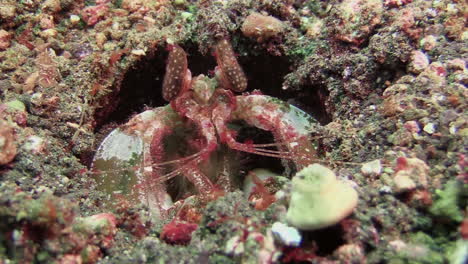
{"type": "Point", "coordinates": [176, 70]}
{"type": "Point", "coordinates": [232, 75]}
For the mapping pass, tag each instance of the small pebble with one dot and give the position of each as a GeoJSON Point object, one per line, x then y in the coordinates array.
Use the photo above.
{"type": "Point", "coordinates": [74, 19]}
{"type": "Point", "coordinates": [5, 39]}
{"type": "Point", "coordinates": [403, 183]}
{"type": "Point", "coordinates": [429, 128]}
{"type": "Point", "coordinates": [385, 190]}
{"type": "Point", "coordinates": [138, 52]}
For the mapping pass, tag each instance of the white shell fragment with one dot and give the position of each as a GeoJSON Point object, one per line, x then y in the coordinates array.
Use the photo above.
{"type": "Point", "coordinates": [287, 235]}
{"type": "Point", "coordinates": [372, 168]}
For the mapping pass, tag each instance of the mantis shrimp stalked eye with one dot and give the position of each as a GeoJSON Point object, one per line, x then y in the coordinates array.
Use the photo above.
{"type": "Point", "coordinates": [232, 76]}
{"type": "Point", "coordinates": [177, 76]}
{"type": "Point", "coordinates": [194, 136]}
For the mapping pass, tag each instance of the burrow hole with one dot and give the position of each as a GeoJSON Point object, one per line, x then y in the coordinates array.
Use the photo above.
{"type": "Point", "coordinates": [141, 85]}
{"type": "Point", "coordinates": [140, 89]}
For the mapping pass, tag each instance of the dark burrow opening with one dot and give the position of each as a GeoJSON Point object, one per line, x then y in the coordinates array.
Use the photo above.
{"type": "Point", "coordinates": [325, 240]}
{"type": "Point", "coordinates": [141, 88]}
{"type": "Point", "coordinates": [237, 163]}
{"type": "Point", "coordinates": [266, 73]}
{"type": "Point", "coordinates": [141, 84]}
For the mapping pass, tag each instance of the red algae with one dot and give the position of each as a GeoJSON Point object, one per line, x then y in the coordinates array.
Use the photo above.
{"type": "Point", "coordinates": [178, 232]}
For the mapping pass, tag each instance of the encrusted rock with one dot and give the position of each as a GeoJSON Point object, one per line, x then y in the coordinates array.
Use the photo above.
{"type": "Point", "coordinates": [103, 226]}
{"type": "Point", "coordinates": [5, 39]}
{"type": "Point", "coordinates": [52, 6]}
{"type": "Point", "coordinates": [411, 173]}
{"type": "Point", "coordinates": [350, 253]}
{"type": "Point", "coordinates": [7, 10]}
{"type": "Point", "coordinates": [261, 27]}
{"type": "Point", "coordinates": [355, 19]}
{"type": "Point", "coordinates": [428, 42]}
{"type": "Point", "coordinates": [419, 62]}
{"type": "Point", "coordinates": [7, 143]}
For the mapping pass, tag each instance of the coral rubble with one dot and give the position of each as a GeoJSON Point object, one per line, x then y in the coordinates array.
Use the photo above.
{"type": "Point", "coordinates": [386, 80]}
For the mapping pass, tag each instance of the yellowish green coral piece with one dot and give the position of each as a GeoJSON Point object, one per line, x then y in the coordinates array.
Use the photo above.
{"type": "Point", "coordinates": [318, 199]}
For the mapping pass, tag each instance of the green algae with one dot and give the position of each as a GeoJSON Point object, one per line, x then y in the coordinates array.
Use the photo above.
{"type": "Point", "coordinates": [451, 200]}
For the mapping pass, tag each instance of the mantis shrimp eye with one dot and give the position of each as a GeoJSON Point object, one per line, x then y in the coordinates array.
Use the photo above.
{"type": "Point", "coordinates": [176, 70]}
{"type": "Point", "coordinates": [232, 75]}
